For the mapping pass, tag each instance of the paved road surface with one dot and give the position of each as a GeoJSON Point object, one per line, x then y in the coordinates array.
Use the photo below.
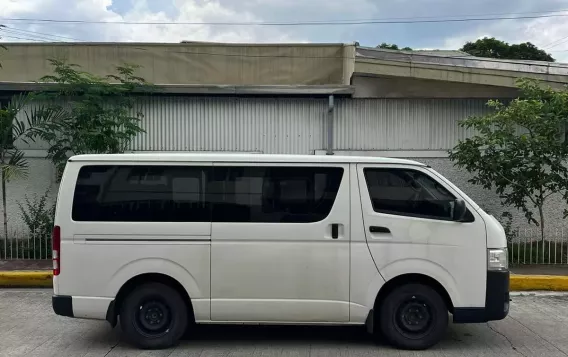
{"type": "Point", "coordinates": [537, 326]}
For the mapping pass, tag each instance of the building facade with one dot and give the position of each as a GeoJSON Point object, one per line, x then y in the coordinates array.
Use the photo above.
{"type": "Point", "coordinates": [292, 99]}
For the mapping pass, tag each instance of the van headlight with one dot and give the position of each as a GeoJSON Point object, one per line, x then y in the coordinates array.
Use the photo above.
{"type": "Point", "coordinates": [497, 259]}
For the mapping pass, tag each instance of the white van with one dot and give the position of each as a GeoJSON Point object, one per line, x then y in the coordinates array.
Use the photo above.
{"type": "Point", "coordinates": [161, 241]}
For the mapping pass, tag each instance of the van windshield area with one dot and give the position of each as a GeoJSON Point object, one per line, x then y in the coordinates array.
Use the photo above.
{"type": "Point", "coordinates": [408, 192]}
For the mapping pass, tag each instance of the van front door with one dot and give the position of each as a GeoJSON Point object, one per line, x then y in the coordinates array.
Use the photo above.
{"type": "Point", "coordinates": [407, 213]}
{"type": "Point", "coordinates": [280, 243]}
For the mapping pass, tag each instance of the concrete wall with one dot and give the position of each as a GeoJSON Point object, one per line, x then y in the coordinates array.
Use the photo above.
{"type": "Point", "coordinates": [41, 178]}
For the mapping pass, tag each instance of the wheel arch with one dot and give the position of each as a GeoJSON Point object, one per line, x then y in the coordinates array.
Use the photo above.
{"type": "Point", "coordinates": [403, 279]}
{"type": "Point", "coordinates": [114, 309]}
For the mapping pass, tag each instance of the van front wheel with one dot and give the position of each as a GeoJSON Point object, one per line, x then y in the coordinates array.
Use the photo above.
{"type": "Point", "coordinates": [413, 317]}
{"type": "Point", "coordinates": [153, 316]}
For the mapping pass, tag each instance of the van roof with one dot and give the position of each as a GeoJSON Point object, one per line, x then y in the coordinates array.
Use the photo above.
{"type": "Point", "coordinates": [238, 157]}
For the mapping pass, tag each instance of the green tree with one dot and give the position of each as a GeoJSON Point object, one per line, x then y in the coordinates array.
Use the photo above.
{"type": "Point", "coordinates": [389, 46]}
{"type": "Point", "coordinates": [493, 48]}
{"type": "Point", "coordinates": [519, 149]}
{"type": "Point", "coordinates": [14, 130]}
{"type": "Point", "coordinates": [96, 113]}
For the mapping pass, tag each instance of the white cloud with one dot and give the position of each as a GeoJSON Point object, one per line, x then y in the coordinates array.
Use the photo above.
{"type": "Point", "coordinates": [443, 35]}
{"type": "Point", "coordinates": [98, 10]}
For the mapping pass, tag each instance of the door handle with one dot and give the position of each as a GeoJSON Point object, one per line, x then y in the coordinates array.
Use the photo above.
{"type": "Point", "coordinates": [335, 231]}
{"type": "Point", "coordinates": [377, 229]}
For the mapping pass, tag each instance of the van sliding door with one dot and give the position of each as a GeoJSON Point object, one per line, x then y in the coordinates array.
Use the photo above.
{"type": "Point", "coordinates": [280, 243]}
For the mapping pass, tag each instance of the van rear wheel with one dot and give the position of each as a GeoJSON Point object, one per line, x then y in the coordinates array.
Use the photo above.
{"type": "Point", "coordinates": [153, 316]}
{"type": "Point", "coordinates": [413, 317]}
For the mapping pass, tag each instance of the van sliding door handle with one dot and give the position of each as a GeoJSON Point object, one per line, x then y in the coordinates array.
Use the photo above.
{"type": "Point", "coordinates": [377, 229]}
{"type": "Point", "coordinates": [335, 231]}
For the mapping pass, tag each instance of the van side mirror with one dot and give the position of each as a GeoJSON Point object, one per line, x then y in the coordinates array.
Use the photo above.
{"type": "Point", "coordinates": [460, 210]}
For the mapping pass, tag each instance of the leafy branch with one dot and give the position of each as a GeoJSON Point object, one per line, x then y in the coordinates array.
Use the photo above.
{"type": "Point", "coordinates": [519, 149]}
{"type": "Point", "coordinates": [96, 114]}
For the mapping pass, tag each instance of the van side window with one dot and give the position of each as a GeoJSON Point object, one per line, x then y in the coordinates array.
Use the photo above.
{"type": "Point", "coordinates": [141, 193]}
{"type": "Point", "coordinates": [273, 194]}
{"type": "Point", "coordinates": [409, 193]}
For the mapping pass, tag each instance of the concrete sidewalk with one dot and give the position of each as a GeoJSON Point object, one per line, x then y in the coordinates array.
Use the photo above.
{"type": "Point", "coordinates": [37, 273]}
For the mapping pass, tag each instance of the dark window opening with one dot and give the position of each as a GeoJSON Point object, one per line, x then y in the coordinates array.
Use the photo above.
{"type": "Point", "coordinates": [409, 193]}
{"type": "Point", "coordinates": [141, 193]}
{"type": "Point", "coordinates": [203, 194]}
{"type": "Point", "coordinates": [273, 194]}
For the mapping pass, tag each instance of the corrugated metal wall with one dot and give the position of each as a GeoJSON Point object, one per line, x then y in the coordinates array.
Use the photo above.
{"type": "Point", "coordinates": [298, 126]}
{"type": "Point", "coordinates": [403, 124]}
{"type": "Point", "coordinates": [268, 125]}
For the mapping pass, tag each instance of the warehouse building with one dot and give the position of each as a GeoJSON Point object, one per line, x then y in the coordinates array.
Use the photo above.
{"type": "Point", "coordinates": [289, 98]}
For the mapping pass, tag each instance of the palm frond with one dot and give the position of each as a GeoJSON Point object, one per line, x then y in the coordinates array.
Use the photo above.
{"type": "Point", "coordinates": [39, 118]}
{"type": "Point", "coordinates": [17, 166]}
{"type": "Point", "coordinates": [18, 102]}
{"type": "Point", "coordinates": [14, 106]}
{"type": "Point", "coordinates": [26, 117]}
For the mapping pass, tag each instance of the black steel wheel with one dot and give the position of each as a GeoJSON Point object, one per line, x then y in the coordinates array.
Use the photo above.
{"type": "Point", "coordinates": [413, 316]}
{"type": "Point", "coordinates": [153, 316]}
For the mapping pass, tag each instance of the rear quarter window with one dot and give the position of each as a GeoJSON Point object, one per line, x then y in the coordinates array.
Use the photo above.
{"type": "Point", "coordinates": [141, 193]}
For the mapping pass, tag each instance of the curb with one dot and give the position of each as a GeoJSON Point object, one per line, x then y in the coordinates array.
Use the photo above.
{"type": "Point", "coordinates": [43, 279]}
{"type": "Point", "coordinates": [538, 282]}
{"type": "Point", "coordinates": [26, 279]}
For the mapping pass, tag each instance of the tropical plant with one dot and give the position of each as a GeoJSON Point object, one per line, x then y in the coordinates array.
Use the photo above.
{"type": "Point", "coordinates": [18, 124]}
{"type": "Point", "coordinates": [96, 112]}
{"type": "Point", "coordinates": [519, 149]}
{"type": "Point", "coordinates": [38, 214]}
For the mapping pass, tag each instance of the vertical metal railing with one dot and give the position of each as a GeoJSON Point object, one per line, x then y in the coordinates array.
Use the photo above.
{"type": "Point", "coordinates": [25, 246]}
{"type": "Point", "coordinates": [533, 250]}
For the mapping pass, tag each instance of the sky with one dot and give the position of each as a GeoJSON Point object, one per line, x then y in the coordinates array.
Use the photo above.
{"type": "Point", "coordinates": [549, 33]}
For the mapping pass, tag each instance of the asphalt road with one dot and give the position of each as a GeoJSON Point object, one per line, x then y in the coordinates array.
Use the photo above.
{"type": "Point", "coordinates": [537, 326]}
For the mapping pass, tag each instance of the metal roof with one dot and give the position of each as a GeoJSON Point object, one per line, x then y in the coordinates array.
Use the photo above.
{"type": "Point", "coordinates": [461, 59]}
{"type": "Point", "coordinates": [233, 157]}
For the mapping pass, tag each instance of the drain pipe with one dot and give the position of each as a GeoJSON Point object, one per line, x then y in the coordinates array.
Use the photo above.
{"type": "Point", "coordinates": [330, 110]}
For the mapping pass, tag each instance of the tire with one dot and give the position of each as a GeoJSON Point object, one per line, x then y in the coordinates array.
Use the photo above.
{"type": "Point", "coordinates": [153, 316]}
{"type": "Point", "coordinates": [413, 317]}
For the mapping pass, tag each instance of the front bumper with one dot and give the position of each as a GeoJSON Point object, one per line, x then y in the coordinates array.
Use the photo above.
{"type": "Point", "coordinates": [496, 301]}
{"type": "Point", "coordinates": [62, 305]}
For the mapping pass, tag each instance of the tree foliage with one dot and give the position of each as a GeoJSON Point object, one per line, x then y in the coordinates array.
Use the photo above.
{"type": "Point", "coordinates": [393, 46]}
{"type": "Point", "coordinates": [95, 114]}
{"type": "Point", "coordinates": [519, 149]}
{"type": "Point", "coordinates": [493, 48]}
